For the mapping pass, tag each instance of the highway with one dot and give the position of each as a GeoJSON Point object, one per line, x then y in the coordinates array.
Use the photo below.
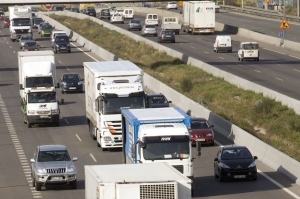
{"type": "Point", "coordinates": [278, 68]}
{"type": "Point", "coordinates": [258, 24]}
{"type": "Point", "coordinates": [17, 142]}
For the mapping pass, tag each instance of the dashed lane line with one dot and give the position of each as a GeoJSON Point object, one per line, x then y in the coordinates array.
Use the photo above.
{"type": "Point", "coordinates": [294, 57]}
{"type": "Point", "coordinates": [18, 147]}
{"type": "Point", "coordinates": [278, 79]}
{"type": "Point", "coordinates": [296, 70]}
{"type": "Point", "coordinates": [84, 52]}
{"type": "Point", "coordinates": [78, 137]}
{"type": "Point", "coordinates": [93, 157]}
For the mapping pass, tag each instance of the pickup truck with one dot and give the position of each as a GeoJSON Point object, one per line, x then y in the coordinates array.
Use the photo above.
{"type": "Point", "coordinates": [171, 23]}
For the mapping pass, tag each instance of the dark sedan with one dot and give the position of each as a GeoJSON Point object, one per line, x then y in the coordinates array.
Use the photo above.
{"type": "Point", "coordinates": [30, 45]}
{"type": "Point", "coordinates": [166, 35]}
{"type": "Point", "coordinates": [202, 132]}
{"type": "Point", "coordinates": [235, 162]}
{"type": "Point", "coordinates": [71, 82]}
{"type": "Point", "coordinates": [156, 101]}
{"type": "Point", "coordinates": [6, 22]}
{"type": "Point", "coordinates": [90, 11]}
{"type": "Point", "coordinates": [104, 14]}
{"type": "Point", "coordinates": [134, 24]}
{"type": "Point", "coordinates": [61, 43]}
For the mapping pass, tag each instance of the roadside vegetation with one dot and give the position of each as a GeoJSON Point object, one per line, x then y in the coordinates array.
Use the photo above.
{"type": "Point", "coordinates": [264, 118]}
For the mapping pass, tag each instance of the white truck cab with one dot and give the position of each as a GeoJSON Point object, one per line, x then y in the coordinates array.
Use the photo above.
{"type": "Point", "coordinates": [248, 50]}
{"type": "Point", "coordinates": [151, 19]}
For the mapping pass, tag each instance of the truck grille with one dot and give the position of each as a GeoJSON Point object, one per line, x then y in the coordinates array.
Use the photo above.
{"type": "Point", "coordinates": [58, 170]}
{"type": "Point", "coordinates": [158, 191]}
{"type": "Point", "coordinates": [21, 31]}
{"type": "Point", "coordinates": [114, 127]}
{"type": "Point", "coordinates": [44, 112]}
{"type": "Point", "coordinates": [179, 168]}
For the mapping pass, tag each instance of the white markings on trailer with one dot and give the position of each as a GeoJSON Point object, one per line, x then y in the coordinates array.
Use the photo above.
{"type": "Point", "coordinates": [93, 157]}
{"type": "Point", "coordinates": [278, 79]}
{"type": "Point", "coordinates": [67, 121]}
{"type": "Point", "coordinates": [78, 137]}
{"type": "Point", "coordinates": [257, 71]}
{"type": "Point", "coordinates": [18, 147]}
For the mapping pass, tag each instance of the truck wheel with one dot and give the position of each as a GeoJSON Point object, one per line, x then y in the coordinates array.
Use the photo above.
{"type": "Point", "coordinates": [28, 124]}
{"type": "Point", "coordinates": [91, 129]}
{"type": "Point", "coordinates": [73, 184]}
{"type": "Point", "coordinates": [38, 186]}
{"type": "Point", "coordinates": [55, 51]}
{"type": "Point", "coordinates": [57, 124]}
{"type": "Point", "coordinates": [33, 181]}
{"type": "Point", "coordinates": [98, 145]}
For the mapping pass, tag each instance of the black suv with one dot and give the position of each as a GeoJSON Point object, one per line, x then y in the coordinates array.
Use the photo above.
{"type": "Point", "coordinates": [90, 11]}
{"type": "Point", "coordinates": [104, 14]}
{"type": "Point", "coordinates": [61, 43]}
{"type": "Point", "coordinates": [156, 101]}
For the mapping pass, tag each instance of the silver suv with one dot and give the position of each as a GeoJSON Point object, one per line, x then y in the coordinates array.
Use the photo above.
{"type": "Point", "coordinates": [52, 164]}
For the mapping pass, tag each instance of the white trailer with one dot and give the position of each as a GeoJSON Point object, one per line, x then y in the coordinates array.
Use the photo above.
{"type": "Point", "coordinates": [136, 181]}
{"type": "Point", "coordinates": [198, 17]}
{"type": "Point", "coordinates": [20, 21]}
{"type": "Point", "coordinates": [109, 87]}
{"type": "Point", "coordinates": [37, 79]}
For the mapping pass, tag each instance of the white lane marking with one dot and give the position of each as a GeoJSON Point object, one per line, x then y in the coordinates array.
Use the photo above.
{"type": "Point", "coordinates": [78, 137]}
{"type": "Point", "coordinates": [272, 32]}
{"type": "Point", "coordinates": [221, 57]}
{"type": "Point", "coordinates": [257, 71]}
{"type": "Point", "coordinates": [206, 52]}
{"type": "Point", "coordinates": [68, 69]}
{"type": "Point", "coordinates": [14, 51]}
{"type": "Point", "coordinates": [270, 179]}
{"type": "Point", "coordinates": [67, 121]}
{"type": "Point", "coordinates": [294, 57]}
{"type": "Point", "coordinates": [278, 79]}
{"type": "Point", "coordinates": [84, 52]}
{"type": "Point", "coordinates": [10, 46]}
{"type": "Point", "coordinates": [273, 51]}
{"type": "Point", "coordinates": [59, 61]}
{"type": "Point", "coordinates": [297, 70]}
{"type": "Point", "coordinates": [93, 157]}
{"type": "Point", "coordinates": [192, 47]}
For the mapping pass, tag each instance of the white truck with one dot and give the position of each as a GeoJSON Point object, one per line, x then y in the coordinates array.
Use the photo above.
{"type": "Point", "coordinates": [20, 21]}
{"type": "Point", "coordinates": [171, 23]}
{"type": "Point", "coordinates": [37, 79]}
{"type": "Point", "coordinates": [198, 17]}
{"type": "Point", "coordinates": [109, 87]}
{"type": "Point", "coordinates": [119, 181]}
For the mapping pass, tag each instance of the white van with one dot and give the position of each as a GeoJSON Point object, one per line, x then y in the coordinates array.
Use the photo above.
{"type": "Point", "coordinates": [151, 19]}
{"type": "Point", "coordinates": [56, 32]}
{"type": "Point", "coordinates": [248, 50]}
{"type": "Point", "coordinates": [128, 13]}
{"type": "Point", "coordinates": [222, 43]}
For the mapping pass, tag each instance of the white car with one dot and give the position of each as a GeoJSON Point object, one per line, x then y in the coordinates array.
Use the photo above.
{"type": "Point", "coordinates": [248, 50]}
{"type": "Point", "coordinates": [117, 18]}
{"type": "Point", "coordinates": [172, 5]}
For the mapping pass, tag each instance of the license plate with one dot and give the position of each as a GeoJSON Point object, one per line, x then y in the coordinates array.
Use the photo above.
{"type": "Point", "coordinates": [239, 176]}
{"type": "Point", "coordinates": [56, 178]}
{"type": "Point", "coordinates": [72, 88]}
{"type": "Point", "coordinates": [44, 116]}
{"type": "Point", "coordinates": [201, 140]}
{"type": "Point", "coordinates": [91, 13]}
{"type": "Point", "coordinates": [62, 47]}
{"type": "Point", "coordinates": [168, 36]}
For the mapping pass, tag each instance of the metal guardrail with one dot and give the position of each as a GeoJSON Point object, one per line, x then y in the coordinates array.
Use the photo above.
{"type": "Point", "coordinates": [260, 12]}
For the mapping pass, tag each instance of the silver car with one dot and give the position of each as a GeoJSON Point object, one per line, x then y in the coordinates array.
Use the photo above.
{"type": "Point", "coordinates": [52, 164]}
{"type": "Point", "coordinates": [134, 24]}
{"type": "Point", "coordinates": [24, 38]}
{"type": "Point", "coordinates": [172, 5]}
{"type": "Point", "coordinates": [149, 30]}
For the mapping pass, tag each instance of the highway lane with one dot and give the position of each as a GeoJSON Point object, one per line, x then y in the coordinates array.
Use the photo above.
{"type": "Point", "coordinates": [277, 69]}
{"type": "Point", "coordinates": [258, 24]}
{"type": "Point", "coordinates": [73, 133]}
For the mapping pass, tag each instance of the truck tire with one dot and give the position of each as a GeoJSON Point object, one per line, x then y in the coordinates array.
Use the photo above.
{"type": "Point", "coordinates": [38, 186]}
{"type": "Point", "coordinates": [91, 129]}
{"type": "Point", "coordinates": [73, 184]}
{"type": "Point", "coordinates": [28, 125]}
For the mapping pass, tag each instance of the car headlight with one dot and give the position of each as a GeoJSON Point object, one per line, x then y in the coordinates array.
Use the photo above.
{"type": "Point", "coordinates": [55, 111]}
{"type": "Point", "coordinates": [57, 45]}
{"type": "Point", "coordinates": [41, 170]}
{"type": "Point", "coordinates": [68, 45]}
{"type": "Point", "coordinates": [79, 83]}
{"type": "Point", "coordinates": [253, 164]}
{"type": "Point", "coordinates": [210, 134]}
{"type": "Point", "coordinates": [64, 83]}
{"type": "Point", "coordinates": [22, 43]}
{"type": "Point", "coordinates": [31, 111]}
{"type": "Point", "coordinates": [71, 168]}
{"type": "Point", "coordinates": [224, 165]}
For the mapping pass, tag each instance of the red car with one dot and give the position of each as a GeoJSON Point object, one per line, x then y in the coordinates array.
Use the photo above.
{"type": "Point", "coordinates": [202, 132]}
{"type": "Point", "coordinates": [6, 22]}
{"type": "Point", "coordinates": [30, 45]}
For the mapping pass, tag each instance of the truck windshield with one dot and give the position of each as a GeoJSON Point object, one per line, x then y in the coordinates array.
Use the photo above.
{"type": "Point", "coordinates": [21, 22]}
{"type": "Point", "coordinates": [39, 82]}
{"type": "Point", "coordinates": [41, 97]}
{"type": "Point", "coordinates": [114, 105]}
{"type": "Point", "coordinates": [166, 150]}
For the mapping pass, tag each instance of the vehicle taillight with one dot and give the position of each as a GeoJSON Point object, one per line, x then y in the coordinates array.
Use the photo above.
{"type": "Point", "coordinates": [144, 28]}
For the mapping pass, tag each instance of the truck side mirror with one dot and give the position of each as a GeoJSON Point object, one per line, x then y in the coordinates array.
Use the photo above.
{"type": "Point", "coordinates": [198, 147]}
{"type": "Point", "coordinates": [21, 87]}
{"type": "Point", "coordinates": [169, 101]}
{"type": "Point", "coordinates": [133, 150]}
{"type": "Point", "coordinates": [98, 86]}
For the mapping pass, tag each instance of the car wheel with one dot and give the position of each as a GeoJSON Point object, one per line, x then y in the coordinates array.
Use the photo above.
{"type": "Point", "coordinates": [173, 41]}
{"type": "Point", "coordinates": [91, 131]}
{"type": "Point", "coordinates": [13, 40]}
{"type": "Point", "coordinates": [38, 186]}
{"type": "Point", "coordinates": [155, 35]}
{"type": "Point", "coordinates": [254, 179]}
{"type": "Point", "coordinates": [62, 101]}
{"type": "Point", "coordinates": [28, 124]}
{"type": "Point", "coordinates": [212, 144]}
{"type": "Point", "coordinates": [242, 59]}
{"type": "Point", "coordinates": [238, 59]}
{"type": "Point", "coordinates": [55, 51]}
{"type": "Point", "coordinates": [33, 181]}
{"type": "Point", "coordinates": [217, 51]}
{"type": "Point", "coordinates": [69, 51]}
{"type": "Point", "coordinates": [20, 47]}
{"type": "Point", "coordinates": [73, 184]}
{"type": "Point", "coordinates": [98, 145]}
{"type": "Point", "coordinates": [257, 59]}
{"type": "Point", "coordinates": [104, 149]}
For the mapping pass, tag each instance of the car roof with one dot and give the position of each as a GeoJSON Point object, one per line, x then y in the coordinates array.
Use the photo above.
{"type": "Point", "coordinates": [52, 147]}
{"type": "Point", "coordinates": [249, 43]}
{"type": "Point", "coordinates": [155, 95]}
{"type": "Point", "coordinates": [198, 119]}
{"type": "Point", "coordinates": [234, 147]}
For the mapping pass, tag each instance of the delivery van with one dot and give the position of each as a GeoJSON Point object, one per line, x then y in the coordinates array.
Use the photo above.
{"type": "Point", "coordinates": [151, 19]}
{"type": "Point", "coordinates": [248, 50]}
{"type": "Point", "coordinates": [223, 43]}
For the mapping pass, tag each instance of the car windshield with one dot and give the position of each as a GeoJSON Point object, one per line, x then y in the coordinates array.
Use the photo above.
{"type": "Point", "coordinates": [199, 124]}
{"type": "Point", "coordinates": [115, 104]}
{"type": "Point", "coordinates": [168, 33]}
{"type": "Point", "coordinates": [38, 20]}
{"type": "Point", "coordinates": [27, 37]}
{"type": "Point", "coordinates": [21, 22]}
{"type": "Point", "coordinates": [170, 19]}
{"type": "Point", "coordinates": [46, 27]}
{"type": "Point", "coordinates": [237, 153]}
{"type": "Point", "coordinates": [41, 97]}
{"type": "Point", "coordinates": [33, 15]}
{"type": "Point", "coordinates": [71, 77]}
{"type": "Point", "coordinates": [135, 21]}
{"type": "Point", "coordinates": [158, 100]}
{"type": "Point", "coordinates": [166, 150]}
{"type": "Point", "coordinates": [30, 44]}
{"type": "Point", "coordinates": [61, 39]}
{"type": "Point", "coordinates": [52, 156]}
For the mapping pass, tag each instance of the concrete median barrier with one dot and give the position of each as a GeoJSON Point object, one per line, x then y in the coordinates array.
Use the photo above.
{"type": "Point", "coordinates": [267, 154]}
